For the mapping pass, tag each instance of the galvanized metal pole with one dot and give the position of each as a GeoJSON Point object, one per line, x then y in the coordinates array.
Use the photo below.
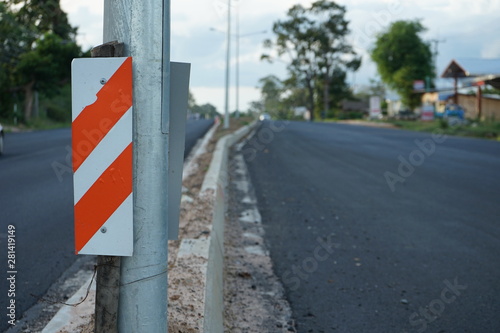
{"type": "Point", "coordinates": [228, 53]}
{"type": "Point", "coordinates": [237, 12]}
{"type": "Point", "coordinates": [144, 28]}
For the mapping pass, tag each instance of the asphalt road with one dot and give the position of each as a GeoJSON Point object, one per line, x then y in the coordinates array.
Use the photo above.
{"type": "Point", "coordinates": [195, 129]}
{"type": "Point", "coordinates": [36, 197]}
{"type": "Point", "coordinates": [371, 231]}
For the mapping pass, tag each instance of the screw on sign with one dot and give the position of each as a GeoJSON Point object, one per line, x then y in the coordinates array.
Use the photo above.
{"type": "Point", "coordinates": [102, 155]}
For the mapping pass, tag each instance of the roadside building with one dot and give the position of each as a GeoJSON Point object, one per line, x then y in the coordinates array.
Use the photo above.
{"type": "Point", "coordinates": [473, 72]}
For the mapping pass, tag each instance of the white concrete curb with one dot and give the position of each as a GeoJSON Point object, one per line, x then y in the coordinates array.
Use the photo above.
{"type": "Point", "coordinates": [212, 248]}
{"type": "Point", "coordinates": [69, 318]}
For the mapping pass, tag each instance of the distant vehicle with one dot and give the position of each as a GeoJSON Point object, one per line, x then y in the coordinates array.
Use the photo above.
{"type": "Point", "coordinates": [454, 111]}
{"type": "Point", "coordinates": [1, 139]}
{"type": "Point", "coordinates": [406, 114]}
{"type": "Point", "coordinates": [264, 116]}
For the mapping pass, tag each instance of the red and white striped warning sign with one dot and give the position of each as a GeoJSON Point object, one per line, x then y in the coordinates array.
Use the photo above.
{"type": "Point", "coordinates": [102, 155]}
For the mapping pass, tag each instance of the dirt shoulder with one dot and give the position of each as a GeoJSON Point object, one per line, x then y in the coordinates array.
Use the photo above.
{"type": "Point", "coordinates": [254, 298]}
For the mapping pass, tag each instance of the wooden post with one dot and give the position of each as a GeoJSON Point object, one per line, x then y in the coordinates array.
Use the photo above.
{"type": "Point", "coordinates": [455, 89]}
{"type": "Point", "coordinates": [479, 102]}
{"type": "Point", "coordinates": [108, 267]}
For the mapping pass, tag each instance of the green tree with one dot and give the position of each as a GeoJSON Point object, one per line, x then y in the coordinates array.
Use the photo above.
{"type": "Point", "coordinates": [39, 44]}
{"type": "Point", "coordinates": [294, 97]}
{"type": "Point", "coordinates": [491, 90]}
{"type": "Point", "coordinates": [10, 48]}
{"type": "Point", "coordinates": [314, 41]}
{"type": "Point", "coordinates": [278, 97]}
{"type": "Point", "coordinates": [191, 101]}
{"type": "Point", "coordinates": [45, 68]}
{"type": "Point", "coordinates": [40, 17]}
{"type": "Point", "coordinates": [271, 89]}
{"type": "Point", "coordinates": [402, 57]}
{"type": "Point", "coordinates": [256, 107]}
{"type": "Point", "coordinates": [338, 91]}
{"type": "Point", "coordinates": [11, 33]}
{"type": "Point", "coordinates": [207, 110]}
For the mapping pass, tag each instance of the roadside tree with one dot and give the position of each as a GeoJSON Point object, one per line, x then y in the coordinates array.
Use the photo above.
{"type": "Point", "coordinates": [272, 89]}
{"type": "Point", "coordinates": [313, 41]}
{"type": "Point", "coordinates": [41, 43]}
{"type": "Point", "coordinates": [402, 57]}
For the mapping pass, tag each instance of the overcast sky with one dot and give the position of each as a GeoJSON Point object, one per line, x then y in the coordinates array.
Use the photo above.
{"type": "Point", "coordinates": [465, 28]}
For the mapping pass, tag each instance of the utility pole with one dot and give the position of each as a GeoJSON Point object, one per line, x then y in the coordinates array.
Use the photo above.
{"type": "Point", "coordinates": [144, 28]}
{"type": "Point", "coordinates": [435, 53]}
{"type": "Point", "coordinates": [228, 53]}
{"type": "Point", "coordinates": [237, 37]}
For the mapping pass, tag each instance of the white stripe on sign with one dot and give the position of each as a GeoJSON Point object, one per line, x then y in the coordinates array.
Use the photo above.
{"type": "Point", "coordinates": [86, 84]}
{"type": "Point", "coordinates": [103, 155]}
{"type": "Point", "coordinates": [113, 232]}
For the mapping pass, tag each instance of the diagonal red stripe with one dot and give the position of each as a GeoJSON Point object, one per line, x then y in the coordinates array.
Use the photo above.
{"type": "Point", "coordinates": [103, 198]}
{"type": "Point", "coordinates": [96, 120]}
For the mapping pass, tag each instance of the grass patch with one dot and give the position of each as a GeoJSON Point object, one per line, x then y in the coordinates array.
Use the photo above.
{"type": "Point", "coordinates": [486, 130]}
{"type": "Point", "coordinates": [37, 124]}
{"type": "Point", "coordinates": [234, 125]}
{"type": "Point", "coordinates": [47, 124]}
{"type": "Point", "coordinates": [420, 126]}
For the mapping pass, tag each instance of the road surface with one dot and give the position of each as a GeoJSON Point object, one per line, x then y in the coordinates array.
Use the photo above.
{"type": "Point", "coordinates": [36, 197]}
{"type": "Point", "coordinates": [381, 230]}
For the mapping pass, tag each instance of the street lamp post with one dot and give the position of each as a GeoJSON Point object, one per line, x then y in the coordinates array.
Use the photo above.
{"type": "Point", "coordinates": [237, 112]}
{"type": "Point", "coordinates": [237, 70]}
{"type": "Point", "coordinates": [226, 107]}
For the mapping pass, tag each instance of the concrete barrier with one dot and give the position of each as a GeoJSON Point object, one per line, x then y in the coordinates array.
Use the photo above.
{"type": "Point", "coordinates": [215, 185]}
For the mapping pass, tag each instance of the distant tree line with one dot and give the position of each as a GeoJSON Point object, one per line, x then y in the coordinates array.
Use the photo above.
{"type": "Point", "coordinates": [206, 110]}
{"type": "Point", "coordinates": [312, 42]}
{"type": "Point", "coordinates": [37, 45]}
